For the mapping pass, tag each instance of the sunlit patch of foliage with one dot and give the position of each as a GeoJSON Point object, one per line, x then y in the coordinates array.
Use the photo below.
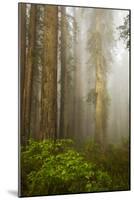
{"type": "Point", "coordinates": [55, 167]}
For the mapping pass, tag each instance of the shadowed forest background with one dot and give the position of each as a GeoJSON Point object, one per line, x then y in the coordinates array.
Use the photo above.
{"type": "Point", "coordinates": [74, 99]}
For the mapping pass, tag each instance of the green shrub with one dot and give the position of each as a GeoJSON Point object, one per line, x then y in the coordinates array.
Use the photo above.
{"type": "Point", "coordinates": [55, 167]}
{"type": "Point", "coordinates": [114, 160]}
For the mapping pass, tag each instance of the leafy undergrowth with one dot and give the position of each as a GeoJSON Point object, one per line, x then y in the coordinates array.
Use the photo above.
{"type": "Point", "coordinates": [114, 160]}
{"type": "Point", "coordinates": [56, 167]}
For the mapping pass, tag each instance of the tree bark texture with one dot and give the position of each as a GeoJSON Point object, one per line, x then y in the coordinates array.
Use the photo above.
{"type": "Point", "coordinates": [49, 74]}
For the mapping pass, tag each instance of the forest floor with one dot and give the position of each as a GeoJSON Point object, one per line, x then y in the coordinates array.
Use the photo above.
{"type": "Point", "coordinates": [57, 167]}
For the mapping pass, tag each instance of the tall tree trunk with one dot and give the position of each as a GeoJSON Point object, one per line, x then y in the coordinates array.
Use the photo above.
{"type": "Point", "coordinates": [99, 101]}
{"type": "Point", "coordinates": [22, 38]}
{"type": "Point", "coordinates": [63, 115]}
{"type": "Point", "coordinates": [28, 72]}
{"type": "Point", "coordinates": [77, 79]}
{"type": "Point", "coordinates": [49, 74]}
{"type": "Point", "coordinates": [100, 112]}
{"type": "Point", "coordinates": [35, 114]}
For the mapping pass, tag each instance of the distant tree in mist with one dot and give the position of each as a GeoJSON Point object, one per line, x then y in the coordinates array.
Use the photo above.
{"type": "Point", "coordinates": [100, 46]}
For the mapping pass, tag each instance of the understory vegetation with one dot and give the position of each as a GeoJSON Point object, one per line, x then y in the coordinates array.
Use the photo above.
{"type": "Point", "coordinates": [57, 167]}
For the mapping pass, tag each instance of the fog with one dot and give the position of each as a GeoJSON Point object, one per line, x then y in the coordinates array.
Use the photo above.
{"type": "Point", "coordinates": [96, 41]}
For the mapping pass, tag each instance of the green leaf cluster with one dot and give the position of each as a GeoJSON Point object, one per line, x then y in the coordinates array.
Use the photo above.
{"type": "Point", "coordinates": [55, 167]}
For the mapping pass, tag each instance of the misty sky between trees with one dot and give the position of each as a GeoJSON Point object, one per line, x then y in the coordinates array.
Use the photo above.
{"type": "Point", "coordinates": [116, 74]}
